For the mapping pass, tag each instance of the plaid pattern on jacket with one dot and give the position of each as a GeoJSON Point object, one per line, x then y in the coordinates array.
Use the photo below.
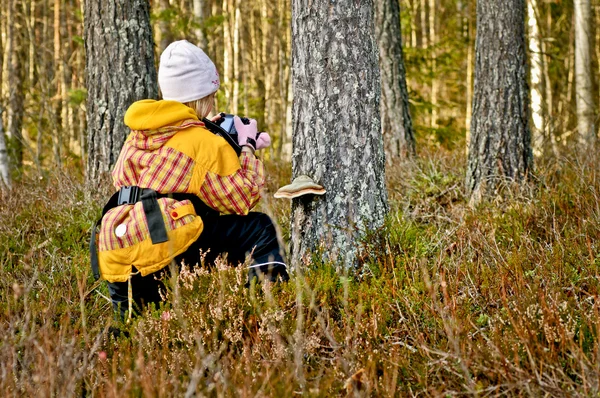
{"type": "Point", "coordinates": [170, 151]}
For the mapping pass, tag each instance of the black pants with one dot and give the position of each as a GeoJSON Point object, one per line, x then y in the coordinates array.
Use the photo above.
{"type": "Point", "coordinates": [237, 236]}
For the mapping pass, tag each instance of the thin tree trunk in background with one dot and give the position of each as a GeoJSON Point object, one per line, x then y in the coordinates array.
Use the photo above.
{"type": "Point", "coordinates": [583, 74]}
{"type": "Point", "coordinates": [246, 48]}
{"type": "Point", "coordinates": [227, 53]}
{"type": "Point", "coordinates": [5, 180]}
{"type": "Point", "coordinates": [395, 114]}
{"type": "Point", "coordinates": [164, 26]}
{"type": "Point", "coordinates": [81, 110]}
{"type": "Point", "coordinates": [500, 147]}
{"type": "Point", "coordinates": [469, 77]}
{"type": "Point", "coordinates": [198, 7]}
{"type": "Point", "coordinates": [32, 41]}
{"type": "Point", "coordinates": [57, 132]}
{"type": "Point", "coordinates": [424, 31]}
{"type": "Point", "coordinates": [15, 78]}
{"type": "Point", "coordinates": [237, 76]}
{"type": "Point", "coordinates": [550, 123]}
{"type": "Point", "coordinates": [425, 45]}
{"type": "Point", "coordinates": [538, 135]}
{"type": "Point", "coordinates": [119, 70]}
{"type": "Point", "coordinates": [413, 24]}
{"type": "Point", "coordinates": [564, 104]}
{"type": "Point", "coordinates": [4, 36]}
{"type": "Point", "coordinates": [285, 84]}
{"type": "Point", "coordinates": [337, 133]}
{"type": "Point", "coordinates": [433, 54]}
{"type": "Point", "coordinates": [44, 81]}
{"type": "Point", "coordinates": [597, 38]}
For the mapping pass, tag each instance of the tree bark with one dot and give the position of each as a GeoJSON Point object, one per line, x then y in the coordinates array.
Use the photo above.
{"type": "Point", "coordinates": [227, 54]}
{"type": "Point", "coordinates": [500, 145]}
{"type": "Point", "coordinates": [15, 78]}
{"type": "Point", "coordinates": [583, 74]}
{"type": "Point", "coordinates": [58, 113]}
{"type": "Point", "coordinates": [469, 70]}
{"type": "Point", "coordinates": [433, 54]}
{"type": "Point", "coordinates": [536, 78]}
{"type": "Point", "coordinates": [395, 114]}
{"type": "Point", "coordinates": [198, 7]}
{"type": "Point", "coordinates": [337, 132]}
{"type": "Point", "coordinates": [164, 26]}
{"type": "Point", "coordinates": [5, 180]}
{"type": "Point", "coordinates": [119, 70]}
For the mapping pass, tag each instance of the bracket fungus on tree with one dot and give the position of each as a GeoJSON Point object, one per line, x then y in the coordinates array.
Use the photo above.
{"type": "Point", "coordinates": [301, 185]}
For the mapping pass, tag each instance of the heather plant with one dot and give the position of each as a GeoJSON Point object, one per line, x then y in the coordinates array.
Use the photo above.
{"type": "Point", "coordinates": [448, 300]}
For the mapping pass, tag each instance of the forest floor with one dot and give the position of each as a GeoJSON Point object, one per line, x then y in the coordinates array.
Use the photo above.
{"type": "Point", "coordinates": [501, 299]}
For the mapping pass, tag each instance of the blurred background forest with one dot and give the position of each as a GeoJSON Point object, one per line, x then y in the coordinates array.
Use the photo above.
{"type": "Point", "coordinates": [42, 95]}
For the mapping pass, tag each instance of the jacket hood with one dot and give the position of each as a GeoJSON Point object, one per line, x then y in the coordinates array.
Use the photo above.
{"type": "Point", "coordinates": [154, 122]}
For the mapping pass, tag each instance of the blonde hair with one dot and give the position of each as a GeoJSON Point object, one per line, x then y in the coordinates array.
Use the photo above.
{"type": "Point", "coordinates": [202, 106]}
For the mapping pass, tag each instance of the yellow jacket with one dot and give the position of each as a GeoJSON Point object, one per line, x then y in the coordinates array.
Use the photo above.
{"type": "Point", "coordinates": [169, 150]}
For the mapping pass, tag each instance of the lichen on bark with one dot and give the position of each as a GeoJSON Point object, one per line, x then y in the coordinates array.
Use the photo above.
{"type": "Point", "coordinates": [337, 132]}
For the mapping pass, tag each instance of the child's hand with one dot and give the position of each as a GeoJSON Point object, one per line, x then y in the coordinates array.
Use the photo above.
{"type": "Point", "coordinates": [263, 141]}
{"type": "Point", "coordinates": [247, 133]}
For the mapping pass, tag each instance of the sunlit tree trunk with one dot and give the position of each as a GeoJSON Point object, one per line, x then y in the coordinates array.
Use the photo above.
{"type": "Point", "coordinates": [536, 79]}
{"type": "Point", "coordinates": [119, 70]}
{"type": "Point", "coordinates": [395, 115]}
{"type": "Point", "coordinates": [433, 55]}
{"type": "Point", "coordinates": [198, 7]}
{"type": "Point", "coordinates": [5, 180]}
{"type": "Point", "coordinates": [583, 73]}
{"type": "Point", "coordinates": [337, 132]}
{"type": "Point", "coordinates": [424, 30]}
{"type": "Point", "coordinates": [164, 26]}
{"type": "Point", "coordinates": [500, 146]}
{"type": "Point", "coordinates": [15, 79]}
{"type": "Point", "coordinates": [563, 108]}
{"type": "Point", "coordinates": [469, 71]}
{"type": "Point", "coordinates": [227, 53]}
{"type": "Point", "coordinates": [236, 57]}
{"type": "Point", "coordinates": [58, 81]}
{"type": "Point", "coordinates": [413, 23]}
{"type": "Point", "coordinates": [550, 122]}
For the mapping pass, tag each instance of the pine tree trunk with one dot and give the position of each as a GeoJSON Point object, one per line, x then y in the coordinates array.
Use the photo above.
{"type": "Point", "coordinates": [198, 7]}
{"type": "Point", "coordinates": [583, 73]}
{"type": "Point", "coordinates": [15, 78]}
{"type": "Point", "coordinates": [536, 78]}
{"type": "Point", "coordinates": [164, 26]}
{"type": "Point", "coordinates": [500, 145]}
{"type": "Point", "coordinates": [433, 54]}
{"type": "Point", "coordinates": [57, 133]}
{"type": "Point", "coordinates": [337, 132]}
{"type": "Point", "coordinates": [5, 180]}
{"type": "Point", "coordinates": [395, 115]}
{"type": "Point", "coordinates": [119, 70]}
{"type": "Point", "coordinates": [227, 54]}
{"type": "Point", "coordinates": [236, 56]}
{"type": "Point", "coordinates": [469, 70]}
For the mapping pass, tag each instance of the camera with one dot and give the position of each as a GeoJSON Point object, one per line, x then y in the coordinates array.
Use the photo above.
{"type": "Point", "coordinates": [224, 127]}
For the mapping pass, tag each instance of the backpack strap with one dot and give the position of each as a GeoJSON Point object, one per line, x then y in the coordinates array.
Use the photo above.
{"type": "Point", "coordinates": [156, 225]}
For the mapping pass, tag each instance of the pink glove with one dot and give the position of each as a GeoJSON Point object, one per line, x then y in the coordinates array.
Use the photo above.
{"type": "Point", "coordinates": [247, 133]}
{"type": "Point", "coordinates": [263, 141]}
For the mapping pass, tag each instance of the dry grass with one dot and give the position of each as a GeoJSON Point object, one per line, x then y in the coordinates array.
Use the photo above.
{"type": "Point", "coordinates": [449, 301]}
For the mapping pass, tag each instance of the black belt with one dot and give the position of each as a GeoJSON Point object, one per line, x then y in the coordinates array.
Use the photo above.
{"type": "Point", "coordinates": [156, 225]}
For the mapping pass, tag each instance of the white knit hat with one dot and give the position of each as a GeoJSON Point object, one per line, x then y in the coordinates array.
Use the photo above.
{"type": "Point", "coordinates": [186, 73]}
